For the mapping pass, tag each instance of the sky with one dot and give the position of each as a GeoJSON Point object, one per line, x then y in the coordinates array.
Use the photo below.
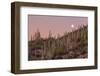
{"type": "Point", "coordinates": [55, 24]}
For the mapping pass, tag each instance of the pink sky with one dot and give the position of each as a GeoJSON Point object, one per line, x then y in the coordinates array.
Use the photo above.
{"type": "Point", "coordinates": [55, 24]}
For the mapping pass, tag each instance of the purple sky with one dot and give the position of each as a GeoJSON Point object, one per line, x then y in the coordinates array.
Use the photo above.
{"type": "Point", "coordinates": [55, 24]}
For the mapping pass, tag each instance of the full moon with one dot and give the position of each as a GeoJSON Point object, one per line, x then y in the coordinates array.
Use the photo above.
{"type": "Point", "coordinates": [72, 26]}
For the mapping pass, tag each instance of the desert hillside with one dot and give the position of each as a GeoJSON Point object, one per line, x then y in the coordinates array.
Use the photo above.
{"type": "Point", "coordinates": [71, 45]}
